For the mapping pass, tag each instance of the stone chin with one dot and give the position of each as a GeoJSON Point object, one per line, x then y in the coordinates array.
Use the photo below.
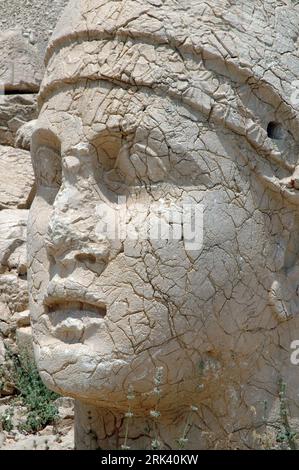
{"type": "Point", "coordinates": [78, 372]}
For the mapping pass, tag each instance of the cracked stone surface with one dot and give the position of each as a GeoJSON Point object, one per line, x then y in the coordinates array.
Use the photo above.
{"type": "Point", "coordinates": [21, 66]}
{"type": "Point", "coordinates": [13, 225]}
{"type": "Point", "coordinates": [149, 104]}
{"type": "Point", "coordinates": [58, 437]}
{"type": "Point", "coordinates": [17, 183]}
{"type": "Point", "coordinates": [35, 18]}
{"type": "Point", "coordinates": [15, 111]}
{"type": "Point", "coordinates": [21, 70]}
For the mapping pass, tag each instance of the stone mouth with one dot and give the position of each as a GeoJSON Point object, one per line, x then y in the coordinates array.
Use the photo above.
{"type": "Point", "coordinates": [71, 321]}
{"type": "Point", "coordinates": [54, 306]}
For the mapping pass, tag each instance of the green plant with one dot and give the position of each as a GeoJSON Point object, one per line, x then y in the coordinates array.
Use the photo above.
{"type": "Point", "coordinates": [129, 415]}
{"type": "Point", "coordinates": [183, 440]}
{"type": "Point", "coordinates": [286, 436]}
{"type": "Point", "coordinates": [5, 376]}
{"type": "Point", "coordinates": [6, 420]}
{"type": "Point", "coordinates": [278, 434]}
{"type": "Point", "coordinates": [34, 395]}
{"type": "Point", "coordinates": [155, 413]}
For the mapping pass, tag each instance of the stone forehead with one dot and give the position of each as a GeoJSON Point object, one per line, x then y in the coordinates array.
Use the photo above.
{"type": "Point", "coordinates": [239, 39]}
{"type": "Point", "coordinates": [183, 20]}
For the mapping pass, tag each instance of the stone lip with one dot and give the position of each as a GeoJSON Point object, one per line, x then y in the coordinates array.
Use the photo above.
{"type": "Point", "coordinates": [72, 316]}
{"type": "Point", "coordinates": [78, 306]}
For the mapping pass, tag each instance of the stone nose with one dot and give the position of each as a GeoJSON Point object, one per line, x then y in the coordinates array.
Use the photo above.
{"type": "Point", "coordinates": [76, 230]}
{"type": "Point", "coordinates": [73, 239]}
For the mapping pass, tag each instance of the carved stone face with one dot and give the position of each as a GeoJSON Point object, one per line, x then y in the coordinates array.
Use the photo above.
{"type": "Point", "coordinates": [107, 312]}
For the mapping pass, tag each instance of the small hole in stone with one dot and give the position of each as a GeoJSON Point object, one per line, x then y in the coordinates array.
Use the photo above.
{"type": "Point", "coordinates": [276, 131]}
{"type": "Point", "coordinates": [23, 276]}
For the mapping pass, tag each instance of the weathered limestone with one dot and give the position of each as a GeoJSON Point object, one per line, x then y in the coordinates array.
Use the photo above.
{"type": "Point", "coordinates": [22, 319]}
{"type": "Point", "coordinates": [24, 341]}
{"type": "Point", "coordinates": [21, 68]}
{"type": "Point", "coordinates": [15, 111]}
{"type": "Point", "coordinates": [20, 71]}
{"type": "Point", "coordinates": [167, 107]}
{"type": "Point", "coordinates": [17, 184]}
{"type": "Point", "coordinates": [25, 28]}
{"type": "Point", "coordinates": [2, 352]}
{"type": "Point", "coordinates": [36, 19]}
{"type": "Point", "coordinates": [16, 191]}
{"type": "Point", "coordinates": [24, 134]}
{"type": "Point", "coordinates": [13, 232]}
{"type": "Point", "coordinates": [13, 291]}
{"type": "Point", "coordinates": [13, 271]}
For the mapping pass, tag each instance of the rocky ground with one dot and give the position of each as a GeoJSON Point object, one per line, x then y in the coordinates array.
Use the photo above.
{"type": "Point", "coordinates": [55, 437]}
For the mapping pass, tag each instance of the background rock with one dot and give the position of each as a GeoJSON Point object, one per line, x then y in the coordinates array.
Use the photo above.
{"type": "Point", "coordinates": [2, 352]}
{"type": "Point", "coordinates": [15, 110]}
{"type": "Point", "coordinates": [17, 180]}
{"type": "Point", "coordinates": [23, 136]}
{"type": "Point", "coordinates": [64, 441]}
{"type": "Point", "coordinates": [21, 67]}
{"type": "Point", "coordinates": [36, 18]}
{"type": "Point", "coordinates": [13, 225]}
{"type": "Point", "coordinates": [24, 341]}
{"type": "Point", "coordinates": [21, 319]}
{"type": "Point", "coordinates": [13, 292]}
{"type": "Point", "coordinates": [4, 312]}
{"type": "Point", "coordinates": [25, 29]}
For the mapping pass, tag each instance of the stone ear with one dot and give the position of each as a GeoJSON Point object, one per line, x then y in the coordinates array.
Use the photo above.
{"type": "Point", "coordinates": [284, 294]}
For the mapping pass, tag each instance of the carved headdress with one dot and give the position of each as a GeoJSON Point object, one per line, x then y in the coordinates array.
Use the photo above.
{"type": "Point", "coordinates": [199, 52]}
{"type": "Point", "coordinates": [238, 39]}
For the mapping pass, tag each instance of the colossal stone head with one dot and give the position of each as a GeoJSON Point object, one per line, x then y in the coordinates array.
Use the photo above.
{"type": "Point", "coordinates": [152, 113]}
